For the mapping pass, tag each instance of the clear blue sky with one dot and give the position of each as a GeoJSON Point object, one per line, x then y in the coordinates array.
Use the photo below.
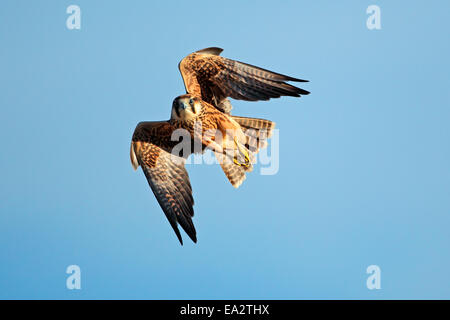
{"type": "Point", "coordinates": [364, 160]}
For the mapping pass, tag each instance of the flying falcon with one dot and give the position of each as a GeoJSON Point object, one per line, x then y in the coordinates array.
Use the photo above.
{"type": "Point", "coordinates": [203, 114]}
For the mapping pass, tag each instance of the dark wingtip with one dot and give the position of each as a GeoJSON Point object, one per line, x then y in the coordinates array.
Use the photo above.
{"type": "Point", "coordinates": [295, 79]}
{"type": "Point", "coordinates": [304, 92]}
{"type": "Point", "coordinates": [211, 50]}
{"type": "Point", "coordinates": [180, 239]}
{"type": "Point", "coordinates": [177, 232]}
{"type": "Point", "coordinates": [193, 237]}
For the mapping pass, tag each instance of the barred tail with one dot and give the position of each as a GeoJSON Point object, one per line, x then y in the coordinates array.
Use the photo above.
{"type": "Point", "coordinates": [256, 132]}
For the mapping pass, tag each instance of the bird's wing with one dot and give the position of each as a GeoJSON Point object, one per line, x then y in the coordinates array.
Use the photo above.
{"type": "Point", "coordinates": [165, 173]}
{"type": "Point", "coordinates": [216, 78]}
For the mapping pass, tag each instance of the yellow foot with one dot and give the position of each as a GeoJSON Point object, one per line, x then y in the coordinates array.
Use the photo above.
{"type": "Point", "coordinates": [243, 151]}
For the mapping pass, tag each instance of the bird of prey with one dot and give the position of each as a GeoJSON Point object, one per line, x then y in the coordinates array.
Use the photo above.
{"type": "Point", "coordinates": [204, 115]}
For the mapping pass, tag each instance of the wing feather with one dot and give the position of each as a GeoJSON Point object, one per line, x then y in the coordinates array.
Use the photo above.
{"type": "Point", "coordinates": [215, 78]}
{"type": "Point", "coordinates": [166, 174]}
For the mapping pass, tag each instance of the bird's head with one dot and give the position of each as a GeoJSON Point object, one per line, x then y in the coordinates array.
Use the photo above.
{"type": "Point", "coordinates": [186, 107]}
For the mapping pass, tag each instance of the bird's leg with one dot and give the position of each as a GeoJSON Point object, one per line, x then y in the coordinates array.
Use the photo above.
{"type": "Point", "coordinates": [208, 142]}
{"type": "Point", "coordinates": [243, 151]}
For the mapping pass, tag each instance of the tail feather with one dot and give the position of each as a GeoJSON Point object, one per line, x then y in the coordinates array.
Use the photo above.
{"type": "Point", "coordinates": [256, 132]}
{"type": "Point", "coordinates": [255, 123]}
{"type": "Point", "coordinates": [234, 172]}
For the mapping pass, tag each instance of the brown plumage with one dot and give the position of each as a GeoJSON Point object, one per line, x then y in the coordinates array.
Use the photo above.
{"type": "Point", "coordinates": [204, 113]}
{"type": "Point", "coordinates": [153, 148]}
{"type": "Point", "coordinates": [215, 78]}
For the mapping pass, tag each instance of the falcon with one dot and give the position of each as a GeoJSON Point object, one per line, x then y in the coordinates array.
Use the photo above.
{"type": "Point", "coordinates": [202, 118]}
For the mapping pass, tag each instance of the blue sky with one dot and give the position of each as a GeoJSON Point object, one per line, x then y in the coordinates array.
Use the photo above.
{"type": "Point", "coordinates": [364, 160]}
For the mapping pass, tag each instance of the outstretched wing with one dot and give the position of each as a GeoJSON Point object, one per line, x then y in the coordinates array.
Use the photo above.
{"type": "Point", "coordinates": [215, 78]}
{"type": "Point", "coordinates": [166, 174]}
